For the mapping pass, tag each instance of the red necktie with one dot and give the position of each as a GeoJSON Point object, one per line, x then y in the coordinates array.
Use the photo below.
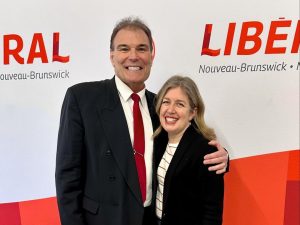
{"type": "Point", "coordinates": [139, 144]}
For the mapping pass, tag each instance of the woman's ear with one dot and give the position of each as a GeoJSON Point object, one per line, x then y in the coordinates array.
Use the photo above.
{"type": "Point", "coordinates": [193, 113]}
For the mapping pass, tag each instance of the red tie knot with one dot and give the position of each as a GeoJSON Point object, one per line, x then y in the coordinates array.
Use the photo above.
{"type": "Point", "coordinates": [135, 97]}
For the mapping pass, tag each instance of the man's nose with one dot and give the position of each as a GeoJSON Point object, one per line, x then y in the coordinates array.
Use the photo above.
{"type": "Point", "coordinates": [133, 54]}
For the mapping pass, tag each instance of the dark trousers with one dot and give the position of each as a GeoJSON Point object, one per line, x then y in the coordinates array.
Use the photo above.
{"type": "Point", "coordinates": [149, 216]}
{"type": "Point", "coordinates": [158, 222]}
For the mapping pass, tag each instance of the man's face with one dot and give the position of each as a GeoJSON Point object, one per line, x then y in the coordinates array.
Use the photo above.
{"type": "Point", "coordinates": [131, 57]}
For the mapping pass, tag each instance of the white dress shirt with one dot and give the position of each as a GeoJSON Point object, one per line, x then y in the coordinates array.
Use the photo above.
{"type": "Point", "coordinates": [127, 104]}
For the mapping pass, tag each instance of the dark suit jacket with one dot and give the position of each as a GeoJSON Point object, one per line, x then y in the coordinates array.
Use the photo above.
{"type": "Point", "coordinates": [96, 177]}
{"type": "Point", "coordinates": [192, 194]}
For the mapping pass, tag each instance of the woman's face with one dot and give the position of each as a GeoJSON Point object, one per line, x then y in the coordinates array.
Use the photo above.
{"type": "Point", "coordinates": [175, 113]}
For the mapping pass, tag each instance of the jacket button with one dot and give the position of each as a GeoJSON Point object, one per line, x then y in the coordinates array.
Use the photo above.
{"type": "Point", "coordinates": [112, 178]}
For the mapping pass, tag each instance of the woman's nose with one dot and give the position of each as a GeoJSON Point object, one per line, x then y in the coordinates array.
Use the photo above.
{"type": "Point", "coordinates": [171, 108]}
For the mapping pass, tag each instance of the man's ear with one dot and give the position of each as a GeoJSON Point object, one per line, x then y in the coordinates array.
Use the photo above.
{"type": "Point", "coordinates": [111, 56]}
{"type": "Point", "coordinates": [153, 51]}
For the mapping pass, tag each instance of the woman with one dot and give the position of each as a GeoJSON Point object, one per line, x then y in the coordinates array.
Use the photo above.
{"type": "Point", "coordinates": [187, 193]}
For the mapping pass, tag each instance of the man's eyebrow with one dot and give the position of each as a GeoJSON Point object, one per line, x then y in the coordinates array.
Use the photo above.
{"type": "Point", "coordinates": [143, 45]}
{"type": "Point", "coordinates": [127, 46]}
{"type": "Point", "coordinates": [122, 45]}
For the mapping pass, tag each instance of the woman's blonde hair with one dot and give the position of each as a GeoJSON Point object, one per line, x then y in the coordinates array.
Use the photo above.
{"type": "Point", "coordinates": [189, 87]}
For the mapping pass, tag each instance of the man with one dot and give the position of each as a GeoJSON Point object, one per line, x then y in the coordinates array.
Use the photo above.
{"type": "Point", "coordinates": [97, 179]}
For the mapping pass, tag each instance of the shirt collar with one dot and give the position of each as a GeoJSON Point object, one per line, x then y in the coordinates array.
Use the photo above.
{"type": "Point", "coordinates": [125, 92]}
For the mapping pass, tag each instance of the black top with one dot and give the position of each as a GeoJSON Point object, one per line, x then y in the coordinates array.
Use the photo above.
{"type": "Point", "coordinates": [192, 194]}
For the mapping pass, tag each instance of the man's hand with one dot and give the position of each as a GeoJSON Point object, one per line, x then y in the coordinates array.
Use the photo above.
{"type": "Point", "coordinates": [220, 158]}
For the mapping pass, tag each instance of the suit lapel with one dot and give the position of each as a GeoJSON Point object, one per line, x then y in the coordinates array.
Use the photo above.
{"type": "Point", "coordinates": [115, 126]}
{"type": "Point", "coordinates": [151, 107]}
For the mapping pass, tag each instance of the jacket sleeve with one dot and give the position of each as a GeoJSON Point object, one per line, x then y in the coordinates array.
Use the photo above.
{"type": "Point", "coordinates": [213, 198]}
{"type": "Point", "coordinates": [69, 163]}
